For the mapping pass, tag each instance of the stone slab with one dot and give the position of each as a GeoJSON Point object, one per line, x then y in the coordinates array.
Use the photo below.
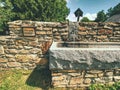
{"type": "Point", "coordinates": [87, 58]}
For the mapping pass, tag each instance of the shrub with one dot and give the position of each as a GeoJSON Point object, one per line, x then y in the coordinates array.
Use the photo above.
{"type": "Point", "coordinates": [115, 86]}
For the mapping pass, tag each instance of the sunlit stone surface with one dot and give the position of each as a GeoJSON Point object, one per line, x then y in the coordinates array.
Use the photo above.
{"type": "Point", "coordinates": [84, 58]}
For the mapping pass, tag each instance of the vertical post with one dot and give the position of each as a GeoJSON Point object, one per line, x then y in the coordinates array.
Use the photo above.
{"type": "Point", "coordinates": [78, 13]}
{"type": "Point", "coordinates": [78, 18]}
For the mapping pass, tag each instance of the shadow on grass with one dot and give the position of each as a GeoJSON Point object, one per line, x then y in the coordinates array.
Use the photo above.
{"type": "Point", "coordinates": [40, 78]}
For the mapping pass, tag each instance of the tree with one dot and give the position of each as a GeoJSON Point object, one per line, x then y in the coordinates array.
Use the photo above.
{"type": "Point", "coordinates": [109, 12]}
{"type": "Point", "coordinates": [85, 19]}
{"type": "Point", "coordinates": [5, 14]}
{"type": "Point", "coordinates": [113, 11]}
{"type": "Point", "coordinates": [101, 16]}
{"type": "Point", "coordinates": [42, 10]}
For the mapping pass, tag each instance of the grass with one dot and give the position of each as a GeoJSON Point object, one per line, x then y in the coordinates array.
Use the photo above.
{"type": "Point", "coordinates": [15, 80]}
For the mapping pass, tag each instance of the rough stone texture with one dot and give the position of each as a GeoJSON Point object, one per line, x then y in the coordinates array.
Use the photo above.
{"type": "Point", "coordinates": [20, 52]}
{"type": "Point", "coordinates": [1, 50]}
{"type": "Point", "coordinates": [114, 18]}
{"type": "Point", "coordinates": [84, 59]}
{"type": "Point", "coordinates": [63, 78]}
{"type": "Point", "coordinates": [3, 60]}
{"type": "Point", "coordinates": [13, 64]}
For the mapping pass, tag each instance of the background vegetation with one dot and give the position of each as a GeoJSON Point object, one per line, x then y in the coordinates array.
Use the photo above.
{"type": "Point", "coordinates": [85, 19]}
{"type": "Point", "coordinates": [102, 16]}
{"type": "Point", "coordinates": [40, 10]}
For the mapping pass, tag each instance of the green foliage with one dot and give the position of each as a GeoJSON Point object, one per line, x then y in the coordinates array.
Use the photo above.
{"type": "Point", "coordinates": [5, 13]}
{"type": "Point", "coordinates": [85, 19]}
{"type": "Point", "coordinates": [7, 82]}
{"type": "Point", "coordinates": [4, 17]}
{"type": "Point", "coordinates": [113, 11]}
{"type": "Point", "coordinates": [42, 10]}
{"type": "Point", "coordinates": [101, 16]}
{"type": "Point", "coordinates": [115, 86]}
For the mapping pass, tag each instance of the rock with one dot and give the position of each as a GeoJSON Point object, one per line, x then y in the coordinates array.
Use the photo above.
{"type": "Point", "coordinates": [39, 28]}
{"type": "Point", "coordinates": [82, 33]}
{"type": "Point", "coordinates": [33, 43]}
{"type": "Point", "coordinates": [98, 80]}
{"type": "Point", "coordinates": [25, 58]}
{"type": "Point", "coordinates": [82, 29]}
{"type": "Point", "coordinates": [116, 78]}
{"type": "Point", "coordinates": [9, 56]}
{"type": "Point", "coordinates": [104, 32]}
{"type": "Point", "coordinates": [80, 58]}
{"type": "Point", "coordinates": [76, 80]}
{"type": "Point", "coordinates": [23, 51]}
{"type": "Point", "coordinates": [102, 37]}
{"type": "Point", "coordinates": [13, 64]}
{"type": "Point", "coordinates": [117, 28]}
{"type": "Point", "coordinates": [87, 81]}
{"type": "Point", "coordinates": [49, 32]}
{"type": "Point", "coordinates": [59, 78]}
{"type": "Point", "coordinates": [41, 32]}
{"type": "Point", "coordinates": [35, 51]}
{"type": "Point", "coordinates": [117, 32]}
{"type": "Point", "coordinates": [75, 74]}
{"type": "Point", "coordinates": [1, 50]}
{"type": "Point", "coordinates": [47, 29]}
{"type": "Point", "coordinates": [114, 18]}
{"type": "Point", "coordinates": [107, 27]}
{"type": "Point", "coordinates": [110, 73]}
{"type": "Point", "coordinates": [56, 74]}
{"type": "Point", "coordinates": [2, 42]}
{"type": "Point", "coordinates": [28, 47]}
{"type": "Point", "coordinates": [11, 51]}
{"type": "Point", "coordinates": [3, 65]}
{"type": "Point", "coordinates": [90, 75]}
{"type": "Point", "coordinates": [11, 60]}
{"type": "Point", "coordinates": [2, 60]}
{"type": "Point", "coordinates": [107, 79]}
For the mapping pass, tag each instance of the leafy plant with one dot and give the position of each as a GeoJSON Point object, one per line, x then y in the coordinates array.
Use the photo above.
{"type": "Point", "coordinates": [115, 86]}
{"type": "Point", "coordinates": [101, 16]}
{"type": "Point", "coordinates": [85, 19]}
{"type": "Point", "coordinates": [5, 14]}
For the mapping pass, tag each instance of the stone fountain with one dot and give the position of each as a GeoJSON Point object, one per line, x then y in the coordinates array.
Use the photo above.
{"type": "Point", "coordinates": [83, 55]}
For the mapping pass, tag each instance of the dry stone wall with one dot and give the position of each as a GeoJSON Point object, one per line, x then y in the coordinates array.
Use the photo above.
{"type": "Point", "coordinates": [26, 48]}
{"type": "Point", "coordinates": [84, 78]}
{"type": "Point", "coordinates": [99, 32]}
{"type": "Point", "coordinates": [28, 42]}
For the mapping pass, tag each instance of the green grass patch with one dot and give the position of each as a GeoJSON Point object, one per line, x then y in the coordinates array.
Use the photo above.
{"type": "Point", "coordinates": [15, 80]}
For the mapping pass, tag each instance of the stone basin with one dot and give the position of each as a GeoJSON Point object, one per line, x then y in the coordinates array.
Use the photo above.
{"type": "Point", "coordinates": [84, 55]}
{"type": "Point", "coordinates": [88, 45]}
